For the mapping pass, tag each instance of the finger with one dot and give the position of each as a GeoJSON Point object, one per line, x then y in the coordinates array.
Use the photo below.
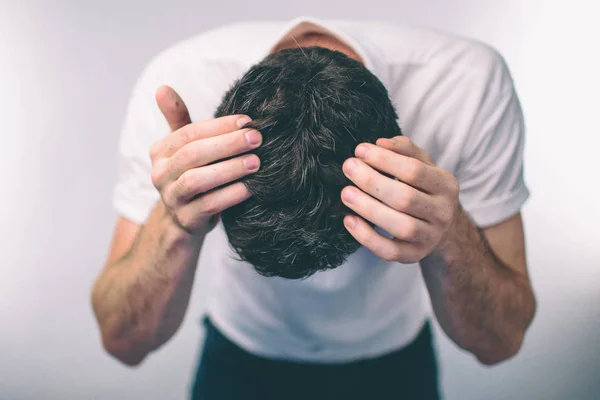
{"type": "Point", "coordinates": [211, 203]}
{"type": "Point", "coordinates": [203, 179]}
{"type": "Point", "coordinates": [203, 152]}
{"type": "Point", "coordinates": [403, 145]}
{"type": "Point", "coordinates": [381, 246]}
{"type": "Point", "coordinates": [400, 225]}
{"type": "Point", "coordinates": [172, 107]}
{"type": "Point", "coordinates": [196, 131]}
{"type": "Point", "coordinates": [396, 194]}
{"type": "Point", "coordinates": [410, 170]}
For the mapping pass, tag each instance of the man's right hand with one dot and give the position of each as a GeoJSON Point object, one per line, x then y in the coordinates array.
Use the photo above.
{"type": "Point", "coordinates": [194, 187]}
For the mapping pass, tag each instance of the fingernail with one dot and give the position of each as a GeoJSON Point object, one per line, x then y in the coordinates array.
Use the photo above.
{"type": "Point", "coordinates": [349, 195]}
{"type": "Point", "coordinates": [243, 121]}
{"type": "Point", "coordinates": [361, 151]}
{"type": "Point", "coordinates": [350, 222]}
{"type": "Point", "coordinates": [253, 137]}
{"type": "Point", "coordinates": [251, 162]}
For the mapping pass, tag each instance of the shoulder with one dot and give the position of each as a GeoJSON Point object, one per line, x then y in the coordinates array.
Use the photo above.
{"type": "Point", "coordinates": [437, 53]}
{"type": "Point", "coordinates": [444, 86]}
{"type": "Point", "coordinates": [202, 67]}
{"type": "Point", "coordinates": [235, 42]}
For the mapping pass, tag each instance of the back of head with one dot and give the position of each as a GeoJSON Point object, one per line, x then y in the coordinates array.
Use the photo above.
{"type": "Point", "coordinates": [313, 106]}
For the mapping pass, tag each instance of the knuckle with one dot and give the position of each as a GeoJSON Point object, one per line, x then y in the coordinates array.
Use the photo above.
{"type": "Point", "coordinates": [184, 153]}
{"type": "Point", "coordinates": [447, 216]}
{"type": "Point", "coordinates": [158, 174]}
{"type": "Point", "coordinates": [209, 206]}
{"type": "Point", "coordinates": [406, 199]}
{"type": "Point", "coordinates": [427, 238]}
{"type": "Point", "coordinates": [155, 150]}
{"type": "Point", "coordinates": [388, 256]}
{"type": "Point", "coordinates": [155, 177]}
{"type": "Point", "coordinates": [169, 200]}
{"type": "Point", "coordinates": [186, 181]}
{"type": "Point", "coordinates": [453, 184]}
{"type": "Point", "coordinates": [185, 156]}
{"type": "Point", "coordinates": [414, 170]}
{"type": "Point", "coordinates": [185, 133]}
{"type": "Point", "coordinates": [370, 182]}
{"type": "Point", "coordinates": [409, 229]}
{"type": "Point", "coordinates": [392, 255]}
{"type": "Point", "coordinates": [443, 218]}
{"type": "Point", "coordinates": [381, 158]}
{"type": "Point", "coordinates": [183, 219]}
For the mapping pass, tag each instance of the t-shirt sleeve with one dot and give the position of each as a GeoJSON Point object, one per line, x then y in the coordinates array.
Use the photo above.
{"type": "Point", "coordinates": [492, 186]}
{"type": "Point", "coordinates": [134, 195]}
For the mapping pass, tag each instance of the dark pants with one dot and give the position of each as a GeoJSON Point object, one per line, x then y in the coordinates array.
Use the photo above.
{"type": "Point", "coordinates": [226, 372]}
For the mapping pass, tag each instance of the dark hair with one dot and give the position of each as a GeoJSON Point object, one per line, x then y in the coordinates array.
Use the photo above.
{"type": "Point", "coordinates": [313, 106]}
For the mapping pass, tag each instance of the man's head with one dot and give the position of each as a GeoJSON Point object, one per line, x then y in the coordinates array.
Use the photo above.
{"type": "Point", "coordinates": [313, 106]}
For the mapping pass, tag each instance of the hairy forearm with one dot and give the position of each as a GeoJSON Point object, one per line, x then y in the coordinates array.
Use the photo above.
{"type": "Point", "coordinates": [140, 300]}
{"type": "Point", "coordinates": [482, 304]}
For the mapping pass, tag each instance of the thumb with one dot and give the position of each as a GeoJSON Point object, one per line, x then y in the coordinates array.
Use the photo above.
{"type": "Point", "coordinates": [172, 107]}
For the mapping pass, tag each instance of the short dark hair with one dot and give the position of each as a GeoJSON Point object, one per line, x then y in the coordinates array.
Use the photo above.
{"type": "Point", "coordinates": [313, 106]}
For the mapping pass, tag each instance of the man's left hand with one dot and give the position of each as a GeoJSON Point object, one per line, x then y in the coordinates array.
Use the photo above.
{"type": "Point", "coordinates": [418, 208]}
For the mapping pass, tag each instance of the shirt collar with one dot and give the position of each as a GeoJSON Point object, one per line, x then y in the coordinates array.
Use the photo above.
{"type": "Point", "coordinates": [368, 51]}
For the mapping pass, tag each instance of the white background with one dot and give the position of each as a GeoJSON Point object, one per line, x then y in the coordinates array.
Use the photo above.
{"type": "Point", "coordinates": [66, 71]}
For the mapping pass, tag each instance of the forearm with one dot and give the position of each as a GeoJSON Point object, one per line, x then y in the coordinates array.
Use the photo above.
{"type": "Point", "coordinates": [481, 303]}
{"type": "Point", "coordinates": [140, 300]}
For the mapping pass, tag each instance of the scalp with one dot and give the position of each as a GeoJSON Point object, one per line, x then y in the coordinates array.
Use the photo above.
{"type": "Point", "coordinates": [313, 106]}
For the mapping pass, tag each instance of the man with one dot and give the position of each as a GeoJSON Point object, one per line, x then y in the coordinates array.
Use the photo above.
{"type": "Point", "coordinates": [437, 212]}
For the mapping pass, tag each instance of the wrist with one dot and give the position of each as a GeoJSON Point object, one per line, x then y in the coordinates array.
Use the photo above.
{"type": "Point", "coordinates": [461, 231]}
{"type": "Point", "coordinates": [174, 231]}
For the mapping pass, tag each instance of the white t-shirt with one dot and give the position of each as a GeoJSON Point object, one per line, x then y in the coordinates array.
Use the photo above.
{"type": "Point", "coordinates": [455, 98]}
